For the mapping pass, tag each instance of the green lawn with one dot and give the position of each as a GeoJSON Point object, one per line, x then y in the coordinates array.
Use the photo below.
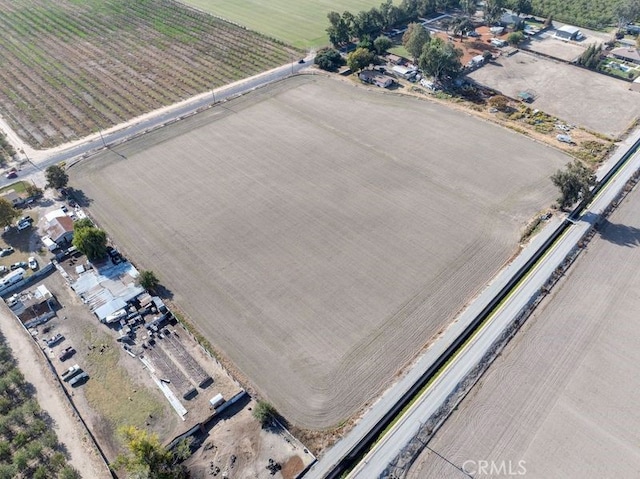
{"type": "Point", "coordinates": [301, 23]}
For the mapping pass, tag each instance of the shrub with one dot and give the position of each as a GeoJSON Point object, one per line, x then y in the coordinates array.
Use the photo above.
{"type": "Point", "coordinates": [264, 412]}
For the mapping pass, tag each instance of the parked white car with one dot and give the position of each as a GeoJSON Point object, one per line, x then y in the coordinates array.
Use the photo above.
{"type": "Point", "coordinates": [33, 263]}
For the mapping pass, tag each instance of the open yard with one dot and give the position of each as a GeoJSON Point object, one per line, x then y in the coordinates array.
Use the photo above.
{"type": "Point", "coordinates": [320, 234]}
{"type": "Point", "coordinates": [301, 23]}
{"type": "Point", "coordinates": [562, 395]}
{"type": "Point", "coordinates": [68, 68]}
{"type": "Point", "coordinates": [575, 95]}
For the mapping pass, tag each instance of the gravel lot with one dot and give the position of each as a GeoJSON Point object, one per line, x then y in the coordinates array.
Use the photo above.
{"type": "Point", "coordinates": [562, 395]}
{"type": "Point", "coordinates": [574, 95]}
{"type": "Point", "coordinates": [548, 45]}
{"type": "Point", "coordinates": [320, 234]}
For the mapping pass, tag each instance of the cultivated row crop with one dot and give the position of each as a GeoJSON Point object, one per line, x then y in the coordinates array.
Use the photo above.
{"type": "Point", "coordinates": [69, 68]}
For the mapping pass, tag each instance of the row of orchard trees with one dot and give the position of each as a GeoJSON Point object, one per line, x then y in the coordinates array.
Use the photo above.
{"type": "Point", "coordinates": [28, 445]}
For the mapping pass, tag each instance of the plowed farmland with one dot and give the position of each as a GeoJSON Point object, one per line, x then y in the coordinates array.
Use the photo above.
{"type": "Point", "coordinates": [560, 400]}
{"type": "Point", "coordinates": [69, 68]}
{"type": "Point", "coordinates": [320, 234]}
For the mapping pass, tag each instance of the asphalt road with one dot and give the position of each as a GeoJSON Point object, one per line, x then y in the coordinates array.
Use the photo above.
{"type": "Point", "coordinates": [389, 448]}
{"type": "Point", "coordinates": [404, 430]}
{"type": "Point", "coordinates": [151, 122]}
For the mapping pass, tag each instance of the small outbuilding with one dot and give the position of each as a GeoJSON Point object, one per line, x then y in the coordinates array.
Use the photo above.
{"type": "Point", "coordinates": [568, 32]}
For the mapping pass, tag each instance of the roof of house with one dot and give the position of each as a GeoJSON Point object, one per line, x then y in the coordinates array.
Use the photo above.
{"type": "Point", "coordinates": [12, 196]}
{"type": "Point", "coordinates": [59, 227]}
{"type": "Point", "coordinates": [629, 53]}
{"type": "Point", "coordinates": [568, 29]}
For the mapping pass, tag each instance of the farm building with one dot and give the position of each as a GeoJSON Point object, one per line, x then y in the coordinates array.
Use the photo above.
{"type": "Point", "coordinates": [508, 19]}
{"type": "Point", "coordinates": [568, 32]}
{"type": "Point", "coordinates": [405, 72]}
{"type": "Point", "coordinates": [627, 54]}
{"type": "Point", "coordinates": [35, 307]}
{"type": "Point", "coordinates": [13, 197]}
{"type": "Point", "coordinates": [396, 59]}
{"type": "Point", "coordinates": [60, 229]}
{"type": "Point", "coordinates": [375, 78]}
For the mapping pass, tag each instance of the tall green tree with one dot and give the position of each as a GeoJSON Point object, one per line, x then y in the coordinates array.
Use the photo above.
{"type": "Point", "coordinates": [414, 39]}
{"type": "Point", "coordinates": [521, 6]}
{"type": "Point", "coordinates": [148, 279]}
{"type": "Point", "coordinates": [382, 44]}
{"type": "Point", "coordinates": [359, 58]}
{"type": "Point", "coordinates": [146, 457]}
{"type": "Point", "coordinates": [8, 212]}
{"type": "Point", "coordinates": [515, 38]}
{"type": "Point", "coordinates": [574, 182]}
{"type": "Point", "coordinates": [90, 241]}
{"type": "Point", "coordinates": [469, 6]}
{"type": "Point", "coordinates": [329, 59]}
{"type": "Point", "coordinates": [493, 10]}
{"type": "Point", "coordinates": [338, 30]}
{"type": "Point", "coordinates": [441, 60]}
{"type": "Point", "coordinates": [56, 177]}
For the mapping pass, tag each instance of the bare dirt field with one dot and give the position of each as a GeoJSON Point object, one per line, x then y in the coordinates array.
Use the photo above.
{"type": "Point", "coordinates": [578, 96]}
{"type": "Point", "coordinates": [319, 234]}
{"type": "Point", "coordinates": [548, 45]}
{"type": "Point", "coordinates": [562, 395]}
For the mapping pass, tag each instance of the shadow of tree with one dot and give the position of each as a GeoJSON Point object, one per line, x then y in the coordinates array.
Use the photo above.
{"type": "Point", "coordinates": [622, 235]}
{"type": "Point", "coordinates": [163, 292]}
{"type": "Point", "coordinates": [79, 197]}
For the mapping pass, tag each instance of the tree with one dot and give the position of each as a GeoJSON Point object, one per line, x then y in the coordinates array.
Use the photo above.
{"type": "Point", "coordinates": [414, 39]}
{"type": "Point", "coordinates": [56, 177]}
{"type": "Point", "coordinates": [469, 6]}
{"type": "Point", "coordinates": [382, 44]}
{"type": "Point", "coordinates": [440, 60]}
{"type": "Point", "coordinates": [515, 38]}
{"type": "Point", "coordinates": [68, 472]}
{"type": "Point", "coordinates": [264, 412]}
{"type": "Point", "coordinates": [521, 6]}
{"type": "Point", "coordinates": [359, 59]}
{"type": "Point", "coordinates": [148, 280]}
{"type": "Point", "coordinates": [575, 183]}
{"type": "Point", "coordinates": [338, 31]}
{"type": "Point", "coordinates": [626, 12]}
{"type": "Point", "coordinates": [32, 190]}
{"type": "Point", "coordinates": [7, 212]}
{"type": "Point", "coordinates": [91, 241]}
{"type": "Point", "coordinates": [461, 26]}
{"type": "Point", "coordinates": [146, 457]}
{"type": "Point", "coordinates": [329, 59]}
{"type": "Point", "coordinates": [82, 223]}
{"type": "Point", "coordinates": [493, 10]}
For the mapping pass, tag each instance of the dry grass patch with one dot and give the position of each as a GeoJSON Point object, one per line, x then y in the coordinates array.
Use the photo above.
{"type": "Point", "coordinates": [111, 391]}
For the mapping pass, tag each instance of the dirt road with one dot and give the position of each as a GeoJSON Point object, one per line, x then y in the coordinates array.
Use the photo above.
{"type": "Point", "coordinates": [71, 433]}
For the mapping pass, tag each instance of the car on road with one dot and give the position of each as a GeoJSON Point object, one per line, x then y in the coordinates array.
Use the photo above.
{"type": "Point", "coordinates": [67, 353]}
{"type": "Point", "coordinates": [12, 173]}
{"type": "Point", "coordinates": [19, 264]}
{"type": "Point", "coordinates": [301, 61]}
{"type": "Point", "coordinates": [6, 251]}
{"type": "Point", "coordinates": [33, 262]}
{"type": "Point", "coordinates": [51, 342]}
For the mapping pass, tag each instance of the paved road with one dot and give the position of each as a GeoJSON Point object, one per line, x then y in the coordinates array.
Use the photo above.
{"type": "Point", "coordinates": [343, 447]}
{"type": "Point", "coordinates": [402, 432]}
{"type": "Point", "coordinates": [151, 121]}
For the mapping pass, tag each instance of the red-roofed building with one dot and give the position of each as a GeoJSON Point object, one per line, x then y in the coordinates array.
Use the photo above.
{"type": "Point", "coordinates": [60, 230]}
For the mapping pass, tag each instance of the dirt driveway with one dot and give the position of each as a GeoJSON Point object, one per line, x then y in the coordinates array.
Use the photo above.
{"type": "Point", "coordinates": [82, 454]}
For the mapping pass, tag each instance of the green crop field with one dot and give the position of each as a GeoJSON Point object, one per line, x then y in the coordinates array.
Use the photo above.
{"type": "Point", "coordinates": [300, 23]}
{"type": "Point", "coordinates": [597, 14]}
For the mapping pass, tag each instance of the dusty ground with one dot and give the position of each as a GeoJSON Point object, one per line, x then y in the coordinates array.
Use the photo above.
{"type": "Point", "coordinates": [237, 447]}
{"type": "Point", "coordinates": [306, 239]}
{"type": "Point", "coordinates": [562, 396]}
{"type": "Point", "coordinates": [548, 45]}
{"type": "Point", "coordinates": [82, 454]}
{"type": "Point", "coordinates": [578, 96]}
